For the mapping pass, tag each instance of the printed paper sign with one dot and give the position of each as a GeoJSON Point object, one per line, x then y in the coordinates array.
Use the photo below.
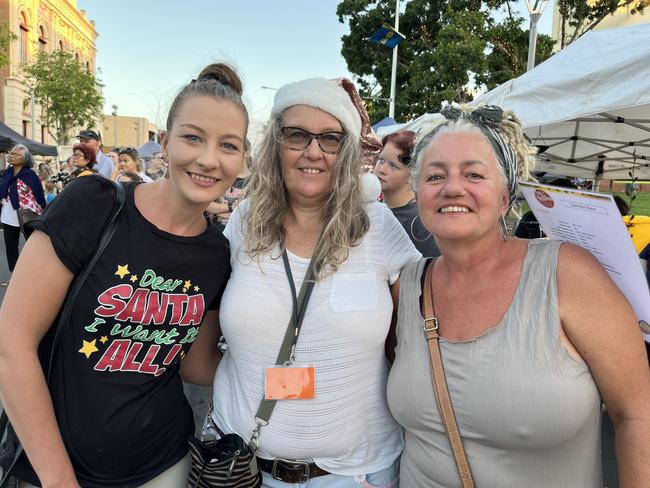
{"type": "Point", "coordinates": [593, 222]}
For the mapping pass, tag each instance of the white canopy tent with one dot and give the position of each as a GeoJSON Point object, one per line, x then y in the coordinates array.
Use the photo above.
{"type": "Point", "coordinates": [588, 107]}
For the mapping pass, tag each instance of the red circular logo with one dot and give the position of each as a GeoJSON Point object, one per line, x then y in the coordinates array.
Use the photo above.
{"type": "Point", "coordinates": [544, 198]}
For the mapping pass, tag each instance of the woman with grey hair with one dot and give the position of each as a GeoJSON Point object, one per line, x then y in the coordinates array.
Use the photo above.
{"type": "Point", "coordinates": [20, 188]}
{"type": "Point", "coordinates": [532, 333]}
{"type": "Point", "coordinates": [304, 213]}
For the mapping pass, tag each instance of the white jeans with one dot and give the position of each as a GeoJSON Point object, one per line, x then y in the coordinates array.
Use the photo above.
{"type": "Point", "coordinates": [174, 477]}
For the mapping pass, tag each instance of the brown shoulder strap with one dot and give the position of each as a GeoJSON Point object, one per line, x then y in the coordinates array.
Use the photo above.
{"type": "Point", "coordinates": [440, 383]}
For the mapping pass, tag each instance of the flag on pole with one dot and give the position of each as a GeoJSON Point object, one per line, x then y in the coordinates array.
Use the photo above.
{"type": "Point", "coordinates": [387, 36]}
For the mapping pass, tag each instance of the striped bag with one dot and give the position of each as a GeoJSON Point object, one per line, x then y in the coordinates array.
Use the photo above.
{"type": "Point", "coordinates": [224, 463]}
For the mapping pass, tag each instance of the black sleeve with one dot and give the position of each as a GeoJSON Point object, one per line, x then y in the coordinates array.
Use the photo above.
{"type": "Point", "coordinates": [216, 303]}
{"type": "Point", "coordinates": [75, 219]}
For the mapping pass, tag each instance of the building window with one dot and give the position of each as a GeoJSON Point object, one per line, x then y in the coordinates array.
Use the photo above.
{"type": "Point", "coordinates": [25, 128]}
{"type": "Point", "coordinates": [42, 40]}
{"type": "Point", "coordinates": [61, 46]}
{"type": "Point", "coordinates": [23, 39]}
{"type": "Point", "coordinates": [76, 57]}
{"type": "Point", "coordinates": [88, 67]}
{"type": "Point", "coordinates": [43, 131]}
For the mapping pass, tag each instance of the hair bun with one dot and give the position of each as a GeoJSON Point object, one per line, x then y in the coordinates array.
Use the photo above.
{"type": "Point", "coordinates": [224, 74]}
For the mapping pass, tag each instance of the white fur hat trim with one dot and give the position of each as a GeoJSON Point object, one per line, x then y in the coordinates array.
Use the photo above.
{"type": "Point", "coordinates": [324, 94]}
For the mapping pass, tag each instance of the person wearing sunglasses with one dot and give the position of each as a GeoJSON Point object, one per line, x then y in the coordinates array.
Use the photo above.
{"type": "Point", "coordinates": [305, 206]}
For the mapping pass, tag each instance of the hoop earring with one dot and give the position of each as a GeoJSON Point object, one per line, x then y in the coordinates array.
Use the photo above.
{"type": "Point", "coordinates": [413, 233]}
{"type": "Point", "coordinates": [503, 227]}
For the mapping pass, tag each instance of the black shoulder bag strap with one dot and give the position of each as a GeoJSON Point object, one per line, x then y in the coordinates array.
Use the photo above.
{"type": "Point", "coordinates": [290, 337]}
{"type": "Point", "coordinates": [64, 319]}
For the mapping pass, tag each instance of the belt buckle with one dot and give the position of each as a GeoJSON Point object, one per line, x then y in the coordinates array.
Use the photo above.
{"type": "Point", "coordinates": [290, 464]}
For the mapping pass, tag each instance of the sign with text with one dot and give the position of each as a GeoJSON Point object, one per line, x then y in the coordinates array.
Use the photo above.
{"type": "Point", "coordinates": [593, 222]}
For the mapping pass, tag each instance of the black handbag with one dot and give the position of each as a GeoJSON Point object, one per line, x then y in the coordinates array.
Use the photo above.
{"type": "Point", "coordinates": [10, 449]}
{"type": "Point", "coordinates": [224, 463]}
{"type": "Point", "coordinates": [230, 462]}
{"type": "Point", "coordinates": [25, 215]}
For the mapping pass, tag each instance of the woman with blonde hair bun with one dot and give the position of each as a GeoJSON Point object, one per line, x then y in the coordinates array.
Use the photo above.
{"type": "Point", "coordinates": [533, 334]}
{"type": "Point", "coordinates": [304, 213]}
{"type": "Point", "coordinates": [113, 413]}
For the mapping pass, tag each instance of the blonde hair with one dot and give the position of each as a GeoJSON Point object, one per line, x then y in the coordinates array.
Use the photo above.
{"type": "Point", "coordinates": [345, 218]}
{"type": "Point", "coordinates": [509, 129]}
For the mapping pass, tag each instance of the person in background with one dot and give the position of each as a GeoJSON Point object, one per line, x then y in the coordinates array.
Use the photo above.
{"type": "Point", "coordinates": [114, 155]}
{"type": "Point", "coordinates": [534, 335]}
{"type": "Point", "coordinates": [20, 188]}
{"type": "Point", "coordinates": [393, 170]}
{"type": "Point", "coordinates": [50, 191]}
{"type": "Point", "coordinates": [129, 161]}
{"type": "Point", "coordinates": [83, 160]}
{"type": "Point", "coordinates": [528, 227]}
{"type": "Point", "coordinates": [111, 418]}
{"type": "Point", "coordinates": [104, 165]}
{"type": "Point", "coordinates": [44, 172]}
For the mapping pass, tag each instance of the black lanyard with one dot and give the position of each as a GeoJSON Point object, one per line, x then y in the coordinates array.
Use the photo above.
{"type": "Point", "coordinates": [299, 308]}
{"type": "Point", "coordinates": [288, 348]}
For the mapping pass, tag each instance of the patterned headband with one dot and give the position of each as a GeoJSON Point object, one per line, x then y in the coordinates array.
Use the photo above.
{"type": "Point", "coordinates": [488, 119]}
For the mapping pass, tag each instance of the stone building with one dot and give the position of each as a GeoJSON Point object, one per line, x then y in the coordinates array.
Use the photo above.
{"type": "Point", "coordinates": [122, 130]}
{"type": "Point", "coordinates": [41, 25]}
{"type": "Point", "coordinates": [620, 18]}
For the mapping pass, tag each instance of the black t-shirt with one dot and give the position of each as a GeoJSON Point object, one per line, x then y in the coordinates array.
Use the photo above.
{"type": "Point", "coordinates": [115, 385]}
{"type": "Point", "coordinates": [420, 236]}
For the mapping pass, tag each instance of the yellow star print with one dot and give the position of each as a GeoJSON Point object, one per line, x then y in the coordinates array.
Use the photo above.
{"type": "Point", "coordinates": [196, 288]}
{"type": "Point", "coordinates": [103, 339]}
{"type": "Point", "coordinates": [187, 284]}
{"type": "Point", "coordinates": [88, 348]}
{"type": "Point", "coordinates": [134, 278]}
{"type": "Point", "coordinates": [122, 270]}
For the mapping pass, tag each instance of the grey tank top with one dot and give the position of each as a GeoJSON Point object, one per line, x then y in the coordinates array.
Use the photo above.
{"type": "Point", "coordinates": [528, 411]}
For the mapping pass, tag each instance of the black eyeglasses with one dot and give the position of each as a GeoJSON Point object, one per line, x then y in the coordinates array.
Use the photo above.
{"type": "Point", "coordinates": [299, 139]}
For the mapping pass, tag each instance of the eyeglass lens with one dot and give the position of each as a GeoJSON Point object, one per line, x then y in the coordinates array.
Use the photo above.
{"type": "Point", "coordinates": [299, 139]}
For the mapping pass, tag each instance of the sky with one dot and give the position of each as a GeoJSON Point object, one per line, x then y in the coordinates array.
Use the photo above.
{"type": "Point", "coordinates": [148, 49]}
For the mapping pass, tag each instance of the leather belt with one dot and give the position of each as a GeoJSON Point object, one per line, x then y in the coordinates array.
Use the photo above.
{"type": "Point", "coordinates": [291, 471]}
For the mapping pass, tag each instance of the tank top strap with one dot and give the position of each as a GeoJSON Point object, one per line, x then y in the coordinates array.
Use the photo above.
{"type": "Point", "coordinates": [533, 318]}
{"type": "Point", "coordinates": [409, 317]}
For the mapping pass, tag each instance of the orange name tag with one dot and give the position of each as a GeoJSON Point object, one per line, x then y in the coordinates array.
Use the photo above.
{"type": "Point", "coordinates": [289, 383]}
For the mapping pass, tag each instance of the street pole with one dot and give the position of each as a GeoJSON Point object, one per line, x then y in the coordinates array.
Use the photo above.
{"type": "Point", "coordinates": [535, 12]}
{"type": "Point", "coordinates": [393, 75]}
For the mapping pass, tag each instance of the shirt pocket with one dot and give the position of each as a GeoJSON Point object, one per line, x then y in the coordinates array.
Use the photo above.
{"type": "Point", "coordinates": [353, 292]}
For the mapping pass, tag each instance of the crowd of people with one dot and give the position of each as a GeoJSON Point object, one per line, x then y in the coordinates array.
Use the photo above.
{"type": "Point", "coordinates": [215, 243]}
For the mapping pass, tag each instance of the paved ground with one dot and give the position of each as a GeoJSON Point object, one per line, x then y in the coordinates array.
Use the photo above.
{"type": "Point", "coordinates": [199, 397]}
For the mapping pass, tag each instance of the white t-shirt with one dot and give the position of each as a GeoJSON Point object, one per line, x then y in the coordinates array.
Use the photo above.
{"type": "Point", "coordinates": [347, 429]}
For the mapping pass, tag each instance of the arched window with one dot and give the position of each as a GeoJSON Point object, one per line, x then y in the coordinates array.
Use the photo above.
{"type": "Point", "coordinates": [88, 67]}
{"type": "Point", "coordinates": [76, 57]}
{"type": "Point", "coordinates": [23, 38]}
{"type": "Point", "coordinates": [42, 39]}
{"type": "Point", "coordinates": [61, 48]}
